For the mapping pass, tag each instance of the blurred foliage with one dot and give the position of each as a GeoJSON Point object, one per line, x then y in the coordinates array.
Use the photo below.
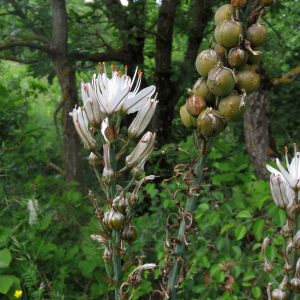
{"type": "Point", "coordinates": [56, 257]}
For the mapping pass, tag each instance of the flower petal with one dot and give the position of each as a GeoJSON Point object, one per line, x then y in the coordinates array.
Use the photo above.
{"type": "Point", "coordinates": [285, 174]}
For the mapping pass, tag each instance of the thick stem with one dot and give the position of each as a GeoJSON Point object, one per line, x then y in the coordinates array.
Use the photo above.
{"type": "Point", "coordinates": [117, 265]}
{"type": "Point", "coordinates": [107, 269]}
{"type": "Point", "coordinates": [117, 257]}
{"type": "Point", "coordinates": [295, 254]}
{"type": "Point", "coordinates": [189, 208]}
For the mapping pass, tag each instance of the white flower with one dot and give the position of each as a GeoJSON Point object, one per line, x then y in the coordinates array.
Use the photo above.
{"type": "Point", "coordinates": [104, 125]}
{"type": "Point", "coordinates": [143, 118]}
{"type": "Point", "coordinates": [81, 126]}
{"type": "Point", "coordinates": [292, 177]}
{"type": "Point", "coordinates": [143, 148]}
{"type": "Point", "coordinates": [91, 105]}
{"type": "Point", "coordinates": [114, 94]}
{"type": "Point", "coordinates": [279, 191]}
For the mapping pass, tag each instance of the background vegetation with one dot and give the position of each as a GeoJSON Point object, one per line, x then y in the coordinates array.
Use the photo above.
{"type": "Point", "coordinates": [55, 257]}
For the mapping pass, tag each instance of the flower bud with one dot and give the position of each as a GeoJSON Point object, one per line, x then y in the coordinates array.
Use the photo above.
{"type": "Point", "coordinates": [143, 148]}
{"type": "Point", "coordinates": [94, 161]}
{"type": "Point", "coordinates": [81, 126]}
{"type": "Point", "coordinates": [107, 255]}
{"type": "Point", "coordinates": [142, 119]}
{"type": "Point", "coordinates": [286, 230]}
{"type": "Point", "coordinates": [133, 198]}
{"type": "Point", "coordinates": [280, 294]}
{"type": "Point", "coordinates": [108, 175]}
{"type": "Point", "coordinates": [278, 190]}
{"type": "Point", "coordinates": [187, 119]}
{"type": "Point", "coordinates": [295, 282]}
{"type": "Point", "coordinates": [267, 265]}
{"type": "Point", "coordinates": [91, 105]}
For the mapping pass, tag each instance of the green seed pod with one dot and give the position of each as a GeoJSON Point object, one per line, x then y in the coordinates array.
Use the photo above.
{"type": "Point", "coordinates": [200, 89]}
{"type": "Point", "coordinates": [116, 220]}
{"type": "Point", "coordinates": [129, 234]}
{"type": "Point", "coordinates": [233, 106]}
{"type": "Point", "coordinates": [221, 80]}
{"type": "Point", "coordinates": [257, 34]}
{"type": "Point", "coordinates": [121, 204]}
{"type": "Point", "coordinates": [295, 285]}
{"type": "Point", "coordinates": [237, 57]}
{"type": "Point", "coordinates": [255, 59]}
{"type": "Point", "coordinates": [207, 60]}
{"type": "Point", "coordinates": [187, 120]}
{"type": "Point", "coordinates": [195, 105]}
{"type": "Point", "coordinates": [238, 3]}
{"type": "Point", "coordinates": [288, 268]}
{"type": "Point", "coordinates": [223, 13]}
{"type": "Point", "coordinates": [279, 295]}
{"type": "Point", "coordinates": [227, 33]}
{"type": "Point", "coordinates": [211, 122]}
{"type": "Point", "coordinates": [247, 80]}
{"type": "Point", "coordinates": [266, 2]}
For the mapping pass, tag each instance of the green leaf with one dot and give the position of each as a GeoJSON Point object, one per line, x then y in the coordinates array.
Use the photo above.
{"type": "Point", "coordinates": [16, 286]}
{"type": "Point", "coordinates": [256, 292]}
{"type": "Point", "coordinates": [255, 246]}
{"type": "Point", "coordinates": [220, 243]}
{"type": "Point", "coordinates": [214, 269]}
{"type": "Point", "coordinates": [237, 250]}
{"type": "Point", "coordinates": [240, 232]}
{"type": "Point", "coordinates": [271, 252]}
{"type": "Point", "coordinates": [203, 206]}
{"type": "Point", "coordinates": [214, 219]}
{"type": "Point", "coordinates": [5, 258]}
{"type": "Point", "coordinates": [226, 227]}
{"type": "Point", "coordinates": [279, 217]}
{"type": "Point", "coordinates": [244, 214]}
{"type": "Point", "coordinates": [5, 284]}
{"type": "Point", "coordinates": [220, 276]}
{"type": "Point", "coordinates": [258, 228]}
{"type": "Point", "coordinates": [249, 276]}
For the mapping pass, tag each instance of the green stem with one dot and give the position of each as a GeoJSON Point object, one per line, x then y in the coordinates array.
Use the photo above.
{"type": "Point", "coordinates": [295, 254]}
{"type": "Point", "coordinates": [129, 212]}
{"type": "Point", "coordinates": [129, 252]}
{"type": "Point", "coordinates": [117, 257]}
{"type": "Point", "coordinates": [245, 12]}
{"type": "Point", "coordinates": [107, 270]}
{"type": "Point", "coordinates": [189, 208]}
{"type": "Point", "coordinates": [118, 121]}
{"type": "Point", "coordinates": [218, 101]}
{"type": "Point", "coordinates": [226, 53]}
{"type": "Point", "coordinates": [129, 185]}
{"type": "Point", "coordinates": [99, 176]}
{"type": "Point", "coordinates": [117, 266]}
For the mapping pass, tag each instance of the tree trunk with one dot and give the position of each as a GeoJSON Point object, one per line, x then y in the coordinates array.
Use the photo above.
{"type": "Point", "coordinates": [260, 145]}
{"type": "Point", "coordinates": [67, 80]}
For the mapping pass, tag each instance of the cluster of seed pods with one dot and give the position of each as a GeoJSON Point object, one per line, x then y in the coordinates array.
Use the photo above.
{"type": "Point", "coordinates": [219, 96]}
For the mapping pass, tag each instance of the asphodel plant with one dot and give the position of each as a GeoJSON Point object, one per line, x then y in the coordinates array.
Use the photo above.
{"type": "Point", "coordinates": [105, 102]}
{"type": "Point", "coordinates": [285, 185]}
{"type": "Point", "coordinates": [218, 97]}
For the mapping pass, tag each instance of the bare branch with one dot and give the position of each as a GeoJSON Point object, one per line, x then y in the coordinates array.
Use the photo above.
{"type": "Point", "coordinates": [25, 43]}
{"type": "Point", "coordinates": [22, 61]}
{"type": "Point", "coordinates": [41, 39]}
{"type": "Point", "coordinates": [119, 55]}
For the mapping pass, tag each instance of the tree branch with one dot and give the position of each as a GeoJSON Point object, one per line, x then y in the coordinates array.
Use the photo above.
{"type": "Point", "coordinates": [112, 55]}
{"type": "Point", "coordinates": [25, 43]}
{"type": "Point", "coordinates": [22, 61]}
{"type": "Point", "coordinates": [17, 9]}
{"type": "Point", "coordinates": [287, 78]}
{"type": "Point", "coordinates": [41, 39]}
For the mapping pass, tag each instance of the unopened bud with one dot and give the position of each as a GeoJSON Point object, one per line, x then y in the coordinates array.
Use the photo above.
{"type": "Point", "coordinates": [94, 161]}
{"type": "Point", "coordinates": [108, 175]}
{"type": "Point", "coordinates": [107, 255]}
{"type": "Point", "coordinates": [143, 148]}
{"type": "Point", "coordinates": [286, 230]}
{"type": "Point", "coordinates": [142, 119]}
{"type": "Point", "coordinates": [278, 190]}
